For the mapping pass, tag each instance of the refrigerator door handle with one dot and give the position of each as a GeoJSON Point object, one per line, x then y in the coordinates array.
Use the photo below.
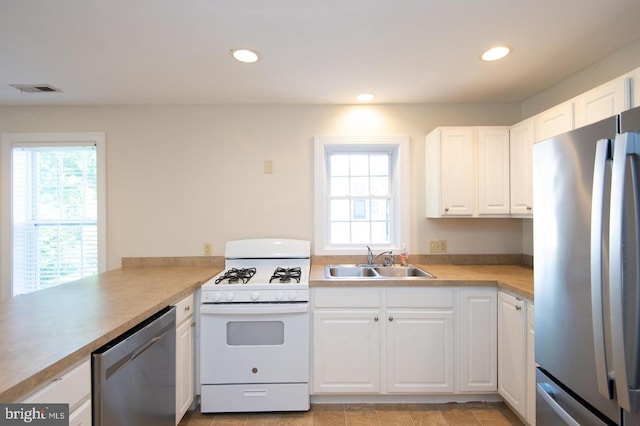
{"type": "Point", "coordinates": [626, 144]}
{"type": "Point", "coordinates": [602, 160]}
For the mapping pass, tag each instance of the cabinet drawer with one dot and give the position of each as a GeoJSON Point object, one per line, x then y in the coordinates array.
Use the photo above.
{"type": "Point", "coordinates": [410, 297]}
{"type": "Point", "coordinates": [71, 388]}
{"type": "Point", "coordinates": [184, 309]}
{"type": "Point", "coordinates": [347, 298]}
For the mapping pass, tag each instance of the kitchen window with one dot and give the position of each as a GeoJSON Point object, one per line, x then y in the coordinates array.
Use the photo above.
{"type": "Point", "coordinates": [53, 209]}
{"type": "Point", "coordinates": [361, 193]}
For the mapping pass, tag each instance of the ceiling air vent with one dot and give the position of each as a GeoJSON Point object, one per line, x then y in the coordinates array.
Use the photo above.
{"type": "Point", "coordinates": [35, 88]}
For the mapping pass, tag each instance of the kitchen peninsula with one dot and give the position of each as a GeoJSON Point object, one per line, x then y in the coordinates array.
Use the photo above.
{"type": "Point", "coordinates": [45, 333]}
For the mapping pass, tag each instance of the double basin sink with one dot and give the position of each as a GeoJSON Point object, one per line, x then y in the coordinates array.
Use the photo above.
{"type": "Point", "coordinates": [375, 272]}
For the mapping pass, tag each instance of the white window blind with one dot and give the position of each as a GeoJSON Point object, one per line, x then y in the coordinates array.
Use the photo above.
{"type": "Point", "coordinates": [54, 215]}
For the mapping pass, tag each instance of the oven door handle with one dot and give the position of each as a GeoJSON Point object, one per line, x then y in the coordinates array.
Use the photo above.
{"type": "Point", "coordinates": [254, 308]}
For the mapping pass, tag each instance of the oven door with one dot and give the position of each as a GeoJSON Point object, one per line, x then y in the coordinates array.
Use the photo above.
{"type": "Point", "coordinates": [254, 343]}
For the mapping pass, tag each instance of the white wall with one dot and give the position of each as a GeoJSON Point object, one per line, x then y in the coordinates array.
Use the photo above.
{"type": "Point", "coordinates": [180, 176]}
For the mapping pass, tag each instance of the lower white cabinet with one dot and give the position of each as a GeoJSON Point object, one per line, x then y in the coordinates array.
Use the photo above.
{"type": "Point", "coordinates": [512, 352]}
{"type": "Point", "coordinates": [346, 355]}
{"type": "Point", "coordinates": [73, 388]}
{"type": "Point", "coordinates": [404, 340]}
{"type": "Point", "coordinates": [185, 360]}
{"type": "Point", "coordinates": [531, 365]}
{"type": "Point", "coordinates": [478, 340]}
{"type": "Point", "coordinates": [419, 328]}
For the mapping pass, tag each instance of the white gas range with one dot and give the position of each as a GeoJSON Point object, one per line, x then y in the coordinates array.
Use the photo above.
{"type": "Point", "coordinates": [254, 340]}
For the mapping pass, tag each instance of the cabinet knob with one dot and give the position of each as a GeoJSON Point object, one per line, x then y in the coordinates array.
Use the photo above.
{"type": "Point", "coordinates": [390, 318]}
{"type": "Point", "coordinates": [187, 308]}
{"type": "Point", "coordinates": [375, 319]}
{"type": "Point", "coordinates": [529, 208]}
{"type": "Point", "coordinates": [446, 209]}
{"type": "Point", "coordinates": [518, 308]}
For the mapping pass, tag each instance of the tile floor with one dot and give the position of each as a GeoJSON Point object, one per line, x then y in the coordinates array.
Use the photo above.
{"type": "Point", "coordinates": [473, 413]}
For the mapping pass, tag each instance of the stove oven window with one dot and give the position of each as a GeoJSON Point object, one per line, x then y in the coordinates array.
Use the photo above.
{"type": "Point", "coordinates": [255, 333]}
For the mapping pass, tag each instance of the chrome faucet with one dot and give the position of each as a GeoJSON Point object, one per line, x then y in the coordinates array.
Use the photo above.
{"type": "Point", "coordinates": [371, 259]}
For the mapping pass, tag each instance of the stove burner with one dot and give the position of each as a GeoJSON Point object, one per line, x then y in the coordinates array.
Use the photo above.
{"type": "Point", "coordinates": [235, 275]}
{"type": "Point", "coordinates": [285, 275]}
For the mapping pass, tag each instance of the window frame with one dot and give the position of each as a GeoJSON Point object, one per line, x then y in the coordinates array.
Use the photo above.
{"type": "Point", "coordinates": [7, 142]}
{"type": "Point", "coordinates": [399, 148]}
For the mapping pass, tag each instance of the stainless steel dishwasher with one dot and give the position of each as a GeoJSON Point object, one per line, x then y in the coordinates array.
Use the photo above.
{"type": "Point", "coordinates": [134, 375]}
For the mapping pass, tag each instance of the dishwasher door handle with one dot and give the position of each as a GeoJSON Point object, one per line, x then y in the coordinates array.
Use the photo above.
{"type": "Point", "coordinates": [124, 361]}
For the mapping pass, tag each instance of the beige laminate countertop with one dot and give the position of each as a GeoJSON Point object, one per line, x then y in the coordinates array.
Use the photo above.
{"type": "Point", "coordinates": [513, 278]}
{"type": "Point", "coordinates": [45, 333]}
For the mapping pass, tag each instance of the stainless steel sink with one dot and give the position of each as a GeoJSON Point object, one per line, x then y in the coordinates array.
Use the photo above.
{"type": "Point", "coordinates": [376, 272]}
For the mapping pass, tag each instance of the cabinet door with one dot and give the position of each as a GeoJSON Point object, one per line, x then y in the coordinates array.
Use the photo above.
{"type": "Point", "coordinates": [478, 331]}
{"type": "Point", "coordinates": [346, 351]}
{"type": "Point", "coordinates": [604, 101]}
{"type": "Point", "coordinates": [457, 171]}
{"type": "Point", "coordinates": [531, 365]}
{"type": "Point", "coordinates": [554, 121]}
{"type": "Point", "coordinates": [420, 356]}
{"type": "Point", "coordinates": [493, 171]}
{"type": "Point", "coordinates": [185, 374]}
{"type": "Point", "coordinates": [512, 345]}
{"type": "Point", "coordinates": [521, 138]}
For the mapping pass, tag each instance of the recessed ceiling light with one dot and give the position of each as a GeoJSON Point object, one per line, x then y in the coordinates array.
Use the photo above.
{"type": "Point", "coordinates": [496, 53]}
{"type": "Point", "coordinates": [245, 55]}
{"type": "Point", "coordinates": [365, 97]}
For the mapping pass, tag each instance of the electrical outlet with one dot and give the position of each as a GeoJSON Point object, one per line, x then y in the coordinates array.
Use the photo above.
{"type": "Point", "coordinates": [207, 249]}
{"type": "Point", "coordinates": [437, 246]}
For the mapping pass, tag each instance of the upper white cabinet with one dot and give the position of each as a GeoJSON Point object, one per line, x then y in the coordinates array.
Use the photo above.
{"type": "Point", "coordinates": [635, 96]}
{"type": "Point", "coordinates": [467, 172]}
{"type": "Point", "coordinates": [493, 171]}
{"type": "Point", "coordinates": [521, 141]}
{"type": "Point", "coordinates": [451, 172]}
{"type": "Point", "coordinates": [604, 101]}
{"type": "Point", "coordinates": [554, 121]}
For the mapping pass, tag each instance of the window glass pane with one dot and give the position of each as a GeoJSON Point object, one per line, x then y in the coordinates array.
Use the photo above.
{"type": "Point", "coordinates": [359, 165]}
{"type": "Point", "coordinates": [339, 210]}
{"type": "Point", "coordinates": [379, 186]}
{"type": "Point", "coordinates": [339, 164]}
{"type": "Point", "coordinates": [360, 233]}
{"type": "Point", "coordinates": [340, 233]}
{"type": "Point", "coordinates": [360, 186]}
{"type": "Point", "coordinates": [379, 209]}
{"type": "Point", "coordinates": [380, 232]}
{"type": "Point", "coordinates": [339, 186]}
{"type": "Point", "coordinates": [54, 200]}
{"type": "Point", "coordinates": [380, 165]}
{"type": "Point", "coordinates": [360, 208]}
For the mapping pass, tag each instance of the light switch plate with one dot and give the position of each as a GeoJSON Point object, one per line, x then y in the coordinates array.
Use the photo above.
{"type": "Point", "coordinates": [437, 246]}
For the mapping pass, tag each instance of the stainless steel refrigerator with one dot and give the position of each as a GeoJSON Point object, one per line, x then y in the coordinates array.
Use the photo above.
{"type": "Point", "coordinates": [587, 297]}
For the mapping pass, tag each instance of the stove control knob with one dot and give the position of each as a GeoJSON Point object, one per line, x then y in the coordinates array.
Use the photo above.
{"type": "Point", "coordinates": [280, 295]}
{"type": "Point", "coordinates": [291, 295]}
{"type": "Point", "coordinates": [229, 296]}
{"type": "Point", "coordinates": [255, 295]}
{"type": "Point", "coordinates": [217, 296]}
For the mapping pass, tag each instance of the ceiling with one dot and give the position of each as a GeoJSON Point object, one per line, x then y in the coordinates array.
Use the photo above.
{"type": "Point", "coordinates": [313, 51]}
